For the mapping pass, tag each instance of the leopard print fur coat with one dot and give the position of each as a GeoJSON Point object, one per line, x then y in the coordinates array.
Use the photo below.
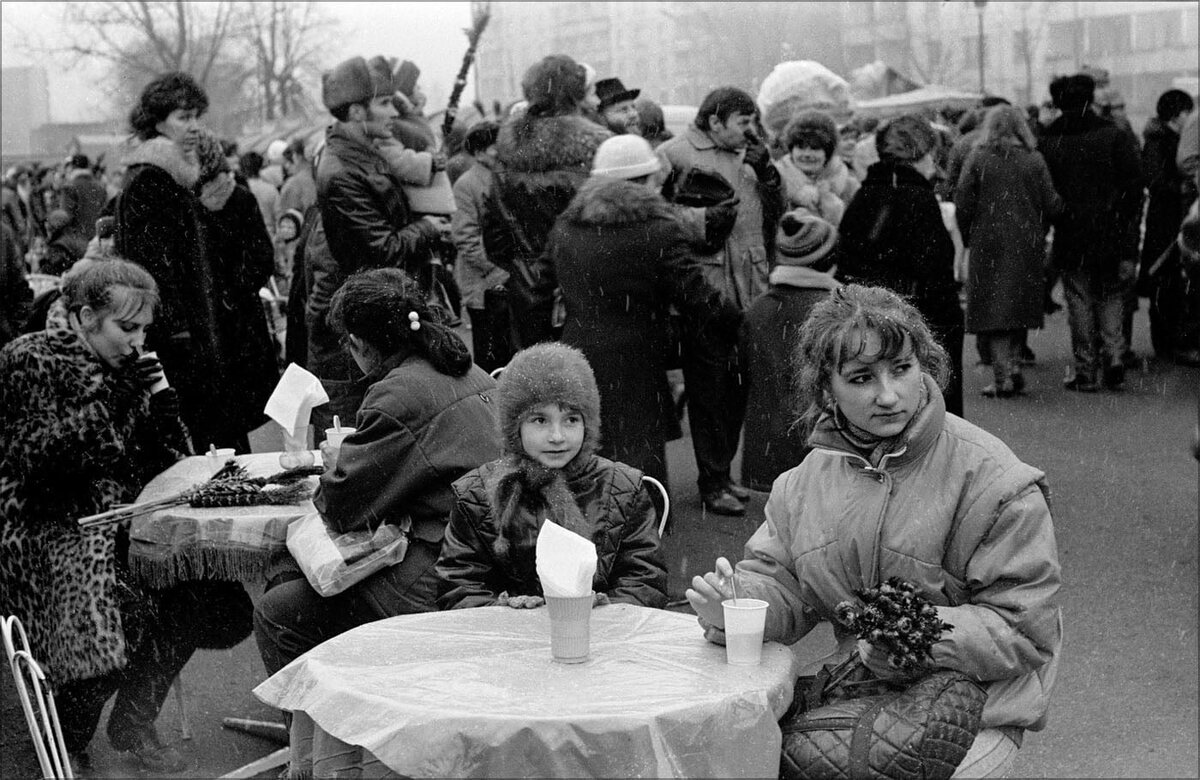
{"type": "Point", "coordinates": [75, 438]}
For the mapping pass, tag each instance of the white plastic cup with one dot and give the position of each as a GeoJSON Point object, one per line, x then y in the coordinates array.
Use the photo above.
{"type": "Point", "coordinates": [334, 436]}
{"type": "Point", "coordinates": [570, 627]}
{"type": "Point", "coordinates": [217, 458]}
{"type": "Point", "coordinates": [745, 620]}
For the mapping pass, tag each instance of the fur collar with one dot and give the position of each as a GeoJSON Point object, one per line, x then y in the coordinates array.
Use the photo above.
{"type": "Point", "coordinates": [79, 173]}
{"type": "Point", "coordinates": [535, 144]}
{"type": "Point", "coordinates": [1076, 124]}
{"type": "Point", "coordinates": [605, 201]}
{"type": "Point", "coordinates": [164, 153]}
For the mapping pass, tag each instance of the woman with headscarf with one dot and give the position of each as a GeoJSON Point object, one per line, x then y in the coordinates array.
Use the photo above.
{"type": "Point", "coordinates": [892, 235]}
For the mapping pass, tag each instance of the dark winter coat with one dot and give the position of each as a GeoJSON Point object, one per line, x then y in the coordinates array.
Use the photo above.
{"type": "Point", "coordinates": [1094, 166]}
{"type": "Point", "coordinates": [16, 296]}
{"type": "Point", "coordinates": [622, 258]}
{"type": "Point", "coordinates": [243, 260]}
{"type": "Point", "coordinates": [83, 198]}
{"type": "Point", "coordinates": [1004, 202]}
{"type": "Point", "coordinates": [159, 226]}
{"type": "Point", "coordinates": [542, 161]}
{"type": "Point", "coordinates": [75, 439]}
{"type": "Point", "coordinates": [418, 430]}
{"type": "Point", "coordinates": [1164, 182]}
{"type": "Point", "coordinates": [629, 566]}
{"type": "Point", "coordinates": [365, 223]}
{"type": "Point", "coordinates": [892, 235]}
{"type": "Point", "coordinates": [772, 444]}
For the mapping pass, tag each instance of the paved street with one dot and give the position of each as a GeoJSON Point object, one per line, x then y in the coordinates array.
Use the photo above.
{"type": "Point", "coordinates": [1126, 511]}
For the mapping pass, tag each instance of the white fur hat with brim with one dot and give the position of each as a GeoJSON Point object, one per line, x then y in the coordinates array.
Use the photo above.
{"type": "Point", "coordinates": [625, 157]}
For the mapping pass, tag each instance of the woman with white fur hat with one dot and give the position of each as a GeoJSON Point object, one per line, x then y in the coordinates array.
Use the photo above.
{"type": "Point", "coordinates": [622, 260]}
{"type": "Point", "coordinates": [549, 420]}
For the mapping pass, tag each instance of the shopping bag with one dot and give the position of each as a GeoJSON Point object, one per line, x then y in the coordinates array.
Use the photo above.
{"type": "Point", "coordinates": [332, 562]}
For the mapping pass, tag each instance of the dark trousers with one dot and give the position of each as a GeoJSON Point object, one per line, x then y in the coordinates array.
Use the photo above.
{"type": "Point", "coordinates": [160, 638]}
{"type": "Point", "coordinates": [951, 338]}
{"type": "Point", "coordinates": [533, 325]}
{"type": "Point", "coordinates": [716, 402]}
{"type": "Point", "coordinates": [291, 618]}
{"type": "Point", "coordinates": [491, 337]}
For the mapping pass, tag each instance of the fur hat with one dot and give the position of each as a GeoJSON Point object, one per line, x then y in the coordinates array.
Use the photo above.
{"type": "Point", "coordinates": [625, 157]}
{"type": "Point", "coordinates": [814, 129]}
{"type": "Point", "coordinates": [547, 373]}
{"type": "Point", "coordinates": [406, 77]}
{"type": "Point", "coordinates": [354, 81]}
{"type": "Point", "coordinates": [804, 238]}
{"type": "Point", "coordinates": [907, 138]}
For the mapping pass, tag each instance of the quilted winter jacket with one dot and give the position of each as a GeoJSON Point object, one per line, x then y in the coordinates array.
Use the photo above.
{"type": "Point", "coordinates": [610, 495]}
{"type": "Point", "coordinates": [954, 512]}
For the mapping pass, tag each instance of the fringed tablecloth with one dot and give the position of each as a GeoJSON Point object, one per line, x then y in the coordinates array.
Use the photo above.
{"type": "Point", "coordinates": [182, 543]}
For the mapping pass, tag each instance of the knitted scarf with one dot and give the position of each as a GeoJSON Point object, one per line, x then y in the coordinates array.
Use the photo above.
{"type": "Point", "coordinates": [526, 494]}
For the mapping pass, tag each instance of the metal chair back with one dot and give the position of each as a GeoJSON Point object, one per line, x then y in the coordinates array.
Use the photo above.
{"type": "Point", "coordinates": [666, 503]}
{"type": "Point", "coordinates": [40, 713]}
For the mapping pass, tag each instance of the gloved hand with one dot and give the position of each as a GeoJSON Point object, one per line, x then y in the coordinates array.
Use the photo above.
{"type": "Point", "coordinates": [600, 600]}
{"type": "Point", "coordinates": [439, 161]}
{"type": "Point", "coordinates": [148, 372]}
{"type": "Point", "coordinates": [520, 602]}
{"type": "Point", "coordinates": [718, 222]}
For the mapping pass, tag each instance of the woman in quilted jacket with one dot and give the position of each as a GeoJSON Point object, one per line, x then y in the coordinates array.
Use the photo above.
{"type": "Point", "coordinates": [549, 410]}
{"type": "Point", "coordinates": [898, 487]}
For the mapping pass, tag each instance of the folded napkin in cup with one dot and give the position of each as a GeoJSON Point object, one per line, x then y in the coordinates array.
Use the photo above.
{"type": "Point", "coordinates": [293, 399]}
{"type": "Point", "coordinates": [566, 562]}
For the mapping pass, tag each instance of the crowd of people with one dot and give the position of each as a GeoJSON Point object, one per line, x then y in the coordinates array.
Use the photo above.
{"type": "Point", "coordinates": [813, 286]}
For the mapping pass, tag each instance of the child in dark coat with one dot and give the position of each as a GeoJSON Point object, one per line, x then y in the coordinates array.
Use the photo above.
{"type": "Point", "coordinates": [549, 417]}
{"type": "Point", "coordinates": [772, 444]}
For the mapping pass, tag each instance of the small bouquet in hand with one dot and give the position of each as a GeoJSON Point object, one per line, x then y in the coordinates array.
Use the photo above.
{"type": "Point", "coordinates": [896, 618]}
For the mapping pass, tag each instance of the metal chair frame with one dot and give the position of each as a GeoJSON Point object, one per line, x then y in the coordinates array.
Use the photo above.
{"type": "Point", "coordinates": [666, 499]}
{"type": "Point", "coordinates": [46, 731]}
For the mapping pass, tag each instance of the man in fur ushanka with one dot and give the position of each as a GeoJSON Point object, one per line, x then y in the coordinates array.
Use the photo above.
{"type": "Point", "coordinates": [549, 418]}
{"type": "Point", "coordinates": [543, 155]}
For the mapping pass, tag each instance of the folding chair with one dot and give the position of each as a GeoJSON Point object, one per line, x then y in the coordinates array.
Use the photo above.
{"type": "Point", "coordinates": [496, 372]}
{"type": "Point", "coordinates": [666, 503]}
{"type": "Point", "coordinates": [40, 713]}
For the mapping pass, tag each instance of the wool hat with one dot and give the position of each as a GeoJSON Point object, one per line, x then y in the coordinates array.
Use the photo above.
{"type": "Point", "coordinates": [545, 373]}
{"type": "Point", "coordinates": [275, 151]}
{"type": "Point", "coordinates": [354, 81]}
{"type": "Point", "coordinates": [612, 91]}
{"type": "Point", "coordinates": [406, 77]}
{"type": "Point", "coordinates": [803, 238]}
{"type": "Point", "coordinates": [625, 157]}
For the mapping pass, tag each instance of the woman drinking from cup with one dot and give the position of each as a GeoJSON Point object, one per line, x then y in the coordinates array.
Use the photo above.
{"type": "Point", "coordinates": [427, 418]}
{"type": "Point", "coordinates": [87, 421]}
{"type": "Point", "coordinates": [897, 487]}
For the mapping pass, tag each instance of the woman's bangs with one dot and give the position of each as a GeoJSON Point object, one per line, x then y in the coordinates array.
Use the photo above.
{"type": "Point", "coordinates": [126, 303]}
{"type": "Point", "coordinates": [894, 338]}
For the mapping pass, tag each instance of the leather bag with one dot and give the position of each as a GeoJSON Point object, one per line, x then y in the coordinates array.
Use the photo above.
{"type": "Point", "coordinates": [903, 733]}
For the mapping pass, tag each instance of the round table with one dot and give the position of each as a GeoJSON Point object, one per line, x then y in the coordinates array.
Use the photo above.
{"type": "Point", "coordinates": [473, 692]}
{"type": "Point", "coordinates": [182, 543]}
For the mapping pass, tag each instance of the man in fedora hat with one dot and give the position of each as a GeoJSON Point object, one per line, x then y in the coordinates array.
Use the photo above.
{"type": "Point", "coordinates": [617, 107]}
{"type": "Point", "coordinates": [364, 219]}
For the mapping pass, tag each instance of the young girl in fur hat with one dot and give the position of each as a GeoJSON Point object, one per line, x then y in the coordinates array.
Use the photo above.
{"type": "Point", "coordinates": [549, 417]}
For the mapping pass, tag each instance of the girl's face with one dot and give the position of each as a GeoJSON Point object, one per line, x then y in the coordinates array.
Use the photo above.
{"type": "Point", "coordinates": [552, 435]}
{"type": "Point", "coordinates": [876, 394]}
{"type": "Point", "coordinates": [181, 126]}
{"type": "Point", "coordinates": [117, 332]}
{"type": "Point", "coordinates": [809, 160]}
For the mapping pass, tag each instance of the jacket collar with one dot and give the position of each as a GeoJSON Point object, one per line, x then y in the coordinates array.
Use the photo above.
{"type": "Point", "coordinates": [896, 175]}
{"type": "Point", "coordinates": [698, 138]}
{"type": "Point", "coordinates": [605, 201]}
{"type": "Point", "coordinates": [350, 144]}
{"type": "Point", "coordinates": [79, 173]}
{"type": "Point", "coordinates": [909, 445]}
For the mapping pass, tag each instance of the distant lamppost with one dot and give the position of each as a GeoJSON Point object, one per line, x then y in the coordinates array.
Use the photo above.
{"type": "Point", "coordinates": [980, 5]}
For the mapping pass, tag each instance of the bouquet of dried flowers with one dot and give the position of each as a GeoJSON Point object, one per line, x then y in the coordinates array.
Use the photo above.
{"type": "Point", "coordinates": [230, 486]}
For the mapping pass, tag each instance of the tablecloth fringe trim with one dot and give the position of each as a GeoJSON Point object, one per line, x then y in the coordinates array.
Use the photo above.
{"type": "Point", "coordinates": [199, 563]}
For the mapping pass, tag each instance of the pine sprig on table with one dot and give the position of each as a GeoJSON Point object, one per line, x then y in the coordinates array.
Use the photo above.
{"type": "Point", "coordinates": [896, 618]}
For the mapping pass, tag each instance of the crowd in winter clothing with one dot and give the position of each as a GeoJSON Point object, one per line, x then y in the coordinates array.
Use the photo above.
{"type": "Point", "coordinates": [595, 256]}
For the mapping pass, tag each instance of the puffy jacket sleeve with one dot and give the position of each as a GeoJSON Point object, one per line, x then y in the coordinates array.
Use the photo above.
{"type": "Point", "coordinates": [468, 573]}
{"type": "Point", "coordinates": [379, 468]}
{"type": "Point", "coordinates": [466, 226]}
{"type": "Point", "coordinates": [638, 574]}
{"type": "Point", "coordinates": [1012, 623]}
{"type": "Point", "coordinates": [348, 209]}
{"type": "Point", "coordinates": [768, 572]}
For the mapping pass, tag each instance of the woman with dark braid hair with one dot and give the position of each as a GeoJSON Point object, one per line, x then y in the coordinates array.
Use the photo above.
{"type": "Point", "coordinates": [426, 419]}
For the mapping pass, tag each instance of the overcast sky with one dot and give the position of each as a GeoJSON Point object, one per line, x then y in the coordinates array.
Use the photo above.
{"type": "Point", "coordinates": [428, 33]}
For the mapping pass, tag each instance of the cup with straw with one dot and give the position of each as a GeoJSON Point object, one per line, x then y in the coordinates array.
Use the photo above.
{"type": "Point", "coordinates": [745, 620]}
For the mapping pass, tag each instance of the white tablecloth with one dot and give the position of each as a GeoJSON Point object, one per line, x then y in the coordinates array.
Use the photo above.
{"type": "Point", "coordinates": [474, 692]}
